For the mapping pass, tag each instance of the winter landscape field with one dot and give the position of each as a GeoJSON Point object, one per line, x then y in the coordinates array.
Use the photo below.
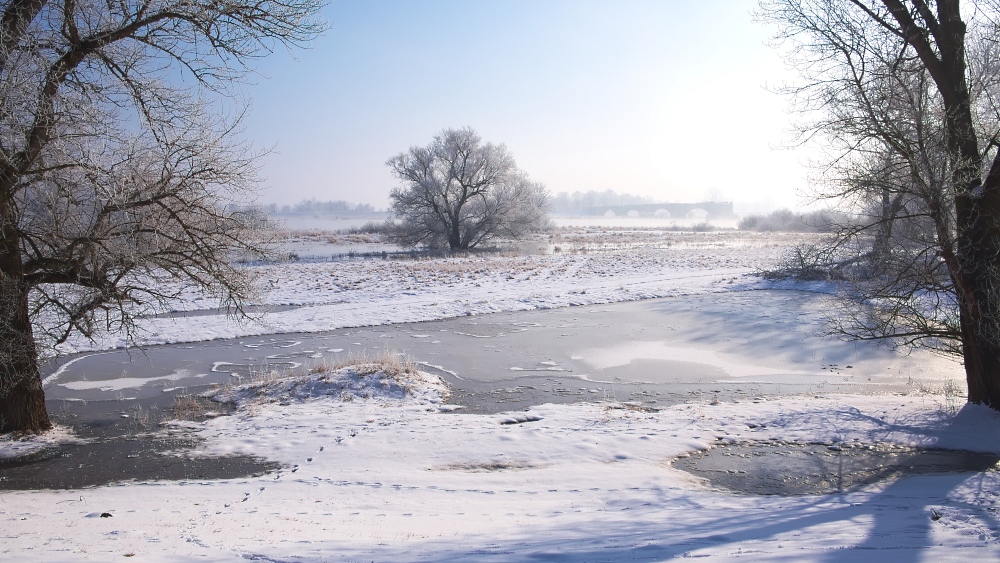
{"type": "Point", "coordinates": [376, 460]}
{"type": "Point", "coordinates": [500, 281]}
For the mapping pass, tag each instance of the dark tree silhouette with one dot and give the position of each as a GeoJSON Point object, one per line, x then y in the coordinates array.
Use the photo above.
{"type": "Point", "coordinates": [906, 92]}
{"type": "Point", "coordinates": [115, 174]}
{"type": "Point", "coordinates": [458, 191]}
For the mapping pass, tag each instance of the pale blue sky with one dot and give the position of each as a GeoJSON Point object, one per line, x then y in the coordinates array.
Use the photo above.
{"type": "Point", "coordinates": [660, 98]}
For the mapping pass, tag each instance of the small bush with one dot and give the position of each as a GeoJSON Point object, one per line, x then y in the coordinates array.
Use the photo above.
{"type": "Point", "coordinates": [369, 228]}
{"type": "Point", "coordinates": [192, 407]}
{"type": "Point", "coordinates": [811, 262]}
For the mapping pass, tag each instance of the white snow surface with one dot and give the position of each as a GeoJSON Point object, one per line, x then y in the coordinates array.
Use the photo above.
{"type": "Point", "coordinates": [320, 296]}
{"type": "Point", "coordinates": [374, 470]}
{"type": "Point", "coordinates": [377, 468]}
{"type": "Point", "coordinates": [12, 447]}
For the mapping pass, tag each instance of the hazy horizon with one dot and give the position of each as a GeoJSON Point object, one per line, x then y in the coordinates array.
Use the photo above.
{"type": "Point", "coordinates": [658, 99]}
{"type": "Point", "coordinates": [342, 206]}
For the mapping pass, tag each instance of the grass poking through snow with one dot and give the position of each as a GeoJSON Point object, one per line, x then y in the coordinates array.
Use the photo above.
{"type": "Point", "coordinates": [387, 377]}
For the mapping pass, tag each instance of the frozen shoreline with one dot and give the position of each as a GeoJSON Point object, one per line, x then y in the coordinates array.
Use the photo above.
{"type": "Point", "coordinates": [394, 477]}
{"type": "Point", "coordinates": [313, 297]}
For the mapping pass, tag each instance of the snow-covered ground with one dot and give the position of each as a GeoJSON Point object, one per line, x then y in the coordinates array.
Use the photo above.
{"type": "Point", "coordinates": [378, 469]}
{"type": "Point", "coordinates": [605, 266]}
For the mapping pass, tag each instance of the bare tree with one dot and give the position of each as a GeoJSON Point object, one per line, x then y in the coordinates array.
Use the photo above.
{"type": "Point", "coordinates": [903, 95]}
{"type": "Point", "coordinates": [458, 191]}
{"type": "Point", "coordinates": [118, 167]}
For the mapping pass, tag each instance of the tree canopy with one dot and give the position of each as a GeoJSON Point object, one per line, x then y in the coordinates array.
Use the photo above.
{"type": "Point", "coordinates": [903, 96]}
{"type": "Point", "coordinates": [460, 192]}
{"type": "Point", "coordinates": [119, 167]}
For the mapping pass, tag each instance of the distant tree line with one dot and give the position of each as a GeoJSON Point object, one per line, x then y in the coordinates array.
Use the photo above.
{"type": "Point", "coordinates": [576, 201]}
{"type": "Point", "coordinates": [787, 221]}
{"type": "Point", "coordinates": [314, 205]}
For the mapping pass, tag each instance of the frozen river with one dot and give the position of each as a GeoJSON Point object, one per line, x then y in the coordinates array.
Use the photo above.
{"type": "Point", "coordinates": [752, 344]}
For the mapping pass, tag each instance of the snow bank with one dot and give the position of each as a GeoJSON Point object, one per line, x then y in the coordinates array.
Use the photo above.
{"type": "Point", "coordinates": [391, 478]}
{"type": "Point", "coordinates": [365, 381]}
{"type": "Point", "coordinates": [927, 421]}
{"type": "Point", "coordinates": [12, 446]}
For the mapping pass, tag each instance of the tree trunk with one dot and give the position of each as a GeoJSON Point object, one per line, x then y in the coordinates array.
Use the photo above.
{"type": "Point", "coordinates": [22, 401]}
{"type": "Point", "coordinates": [979, 303]}
{"type": "Point", "coordinates": [977, 203]}
{"type": "Point", "coordinates": [982, 364]}
{"type": "Point", "coordinates": [882, 247]}
{"type": "Point", "coordinates": [22, 408]}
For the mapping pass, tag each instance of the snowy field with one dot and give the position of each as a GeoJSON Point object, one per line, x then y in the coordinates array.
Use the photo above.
{"type": "Point", "coordinates": [377, 468]}
{"type": "Point", "coordinates": [592, 266]}
{"type": "Point", "coordinates": [376, 472]}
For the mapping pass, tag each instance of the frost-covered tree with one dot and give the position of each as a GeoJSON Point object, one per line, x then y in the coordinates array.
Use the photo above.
{"type": "Point", "coordinates": [460, 192]}
{"type": "Point", "coordinates": [117, 169]}
{"type": "Point", "coordinates": [903, 94]}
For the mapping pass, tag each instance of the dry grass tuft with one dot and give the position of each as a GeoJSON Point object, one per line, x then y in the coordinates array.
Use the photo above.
{"type": "Point", "coordinates": [389, 362]}
{"type": "Point", "coordinates": [192, 407]}
{"type": "Point", "coordinates": [393, 365]}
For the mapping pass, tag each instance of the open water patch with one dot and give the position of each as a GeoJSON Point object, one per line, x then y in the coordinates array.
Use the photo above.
{"type": "Point", "coordinates": [786, 468]}
{"type": "Point", "coordinates": [121, 459]}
